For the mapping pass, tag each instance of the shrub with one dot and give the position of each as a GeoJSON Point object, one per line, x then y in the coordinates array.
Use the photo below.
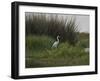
{"type": "Point", "coordinates": [84, 43]}
{"type": "Point", "coordinates": [84, 40]}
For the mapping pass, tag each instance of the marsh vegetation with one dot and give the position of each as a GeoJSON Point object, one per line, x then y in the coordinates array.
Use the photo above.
{"type": "Point", "coordinates": [41, 33]}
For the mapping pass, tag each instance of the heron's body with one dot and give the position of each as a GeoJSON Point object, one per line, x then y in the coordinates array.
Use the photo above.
{"type": "Point", "coordinates": [55, 44]}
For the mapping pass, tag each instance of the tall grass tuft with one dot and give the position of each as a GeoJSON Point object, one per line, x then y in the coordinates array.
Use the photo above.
{"type": "Point", "coordinates": [52, 25]}
{"type": "Point", "coordinates": [71, 32]}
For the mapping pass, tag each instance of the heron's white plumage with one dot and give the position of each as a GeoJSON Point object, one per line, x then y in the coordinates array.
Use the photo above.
{"type": "Point", "coordinates": [55, 44]}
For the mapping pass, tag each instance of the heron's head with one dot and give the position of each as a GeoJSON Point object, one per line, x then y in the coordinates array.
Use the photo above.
{"type": "Point", "coordinates": [58, 36]}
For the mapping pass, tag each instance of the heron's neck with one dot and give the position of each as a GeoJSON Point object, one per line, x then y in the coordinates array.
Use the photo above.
{"type": "Point", "coordinates": [57, 39]}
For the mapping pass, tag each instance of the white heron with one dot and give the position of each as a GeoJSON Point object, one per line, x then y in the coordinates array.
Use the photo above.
{"type": "Point", "coordinates": [55, 44]}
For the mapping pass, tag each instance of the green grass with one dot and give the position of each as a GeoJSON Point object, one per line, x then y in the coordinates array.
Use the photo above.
{"type": "Point", "coordinates": [40, 54]}
{"type": "Point", "coordinates": [38, 42]}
